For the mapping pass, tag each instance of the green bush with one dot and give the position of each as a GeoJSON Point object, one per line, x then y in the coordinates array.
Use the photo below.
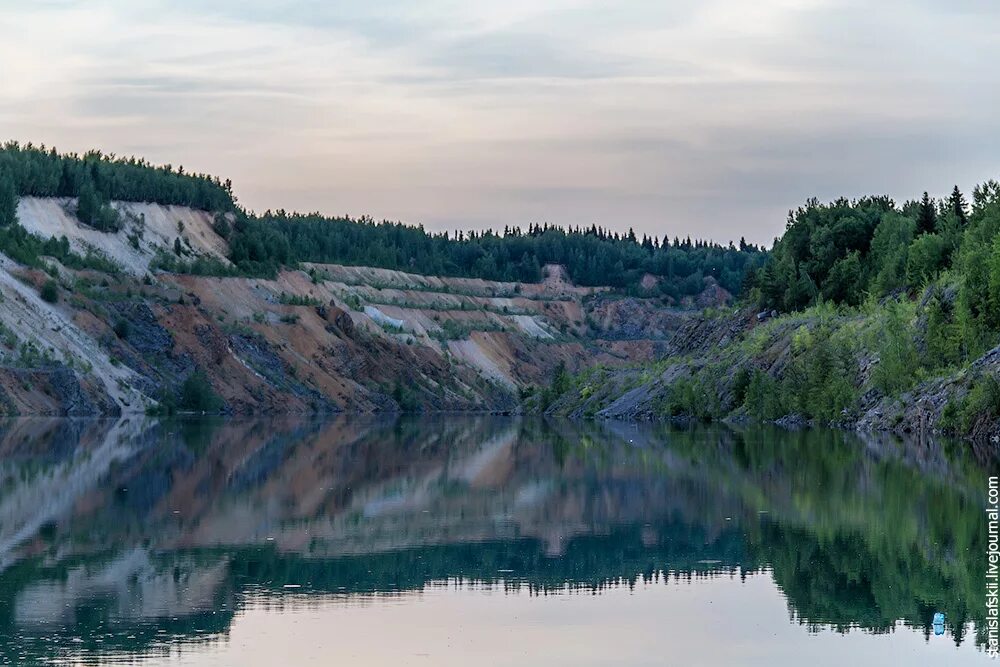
{"type": "Point", "coordinates": [50, 291]}
{"type": "Point", "coordinates": [197, 394]}
{"type": "Point", "coordinates": [926, 258]}
{"type": "Point", "coordinates": [741, 383]}
{"type": "Point", "coordinates": [982, 403]}
{"type": "Point", "coordinates": [764, 398]}
{"type": "Point", "coordinates": [943, 336]}
{"type": "Point", "coordinates": [295, 300]}
{"type": "Point", "coordinates": [894, 341]}
{"type": "Point", "coordinates": [122, 328]}
{"type": "Point", "coordinates": [691, 397]}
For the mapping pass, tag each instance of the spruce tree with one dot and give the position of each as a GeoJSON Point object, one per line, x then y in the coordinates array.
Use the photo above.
{"type": "Point", "coordinates": [926, 216]}
{"type": "Point", "coordinates": [957, 205]}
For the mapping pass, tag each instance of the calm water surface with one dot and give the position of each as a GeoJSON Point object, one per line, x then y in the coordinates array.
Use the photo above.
{"type": "Point", "coordinates": [489, 541]}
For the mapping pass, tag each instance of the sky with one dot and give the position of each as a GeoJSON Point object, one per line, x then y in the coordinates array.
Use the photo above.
{"type": "Point", "coordinates": [704, 118]}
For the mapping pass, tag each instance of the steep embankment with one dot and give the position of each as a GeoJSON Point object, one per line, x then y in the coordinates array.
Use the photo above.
{"type": "Point", "coordinates": [322, 338]}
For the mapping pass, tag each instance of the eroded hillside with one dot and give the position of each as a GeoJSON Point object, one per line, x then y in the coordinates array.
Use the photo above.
{"type": "Point", "coordinates": [117, 333]}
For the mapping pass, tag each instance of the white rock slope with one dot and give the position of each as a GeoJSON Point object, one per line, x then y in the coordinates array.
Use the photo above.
{"type": "Point", "coordinates": [151, 227]}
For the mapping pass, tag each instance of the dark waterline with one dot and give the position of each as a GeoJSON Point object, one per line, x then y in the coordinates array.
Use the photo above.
{"type": "Point", "coordinates": [485, 539]}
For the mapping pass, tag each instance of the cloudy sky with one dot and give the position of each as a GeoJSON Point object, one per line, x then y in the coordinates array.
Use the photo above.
{"type": "Point", "coordinates": [709, 118]}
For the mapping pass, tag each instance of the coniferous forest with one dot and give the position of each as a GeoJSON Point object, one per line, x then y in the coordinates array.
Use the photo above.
{"type": "Point", "coordinates": [592, 256]}
{"type": "Point", "coordinates": [261, 244]}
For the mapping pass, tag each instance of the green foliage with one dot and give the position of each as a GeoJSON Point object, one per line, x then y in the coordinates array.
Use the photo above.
{"type": "Point", "coordinates": [741, 384]}
{"type": "Point", "coordinates": [98, 178]}
{"type": "Point", "coordinates": [296, 300]}
{"type": "Point", "coordinates": [764, 399]}
{"type": "Point", "coordinates": [122, 328]}
{"type": "Point", "coordinates": [827, 243]}
{"type": "Point", "coordinates": [561, 382]}
{"type": "Point", "coordinates": [847, 249]}
{"type": "Point", "coordinates": [94, 211]}
{"type": "Point", "coordinates": [926, 258]}
{"type": "Point", "coordinates": [8, 200]}
{"type": "Point", "coordinates": [982, 403]}
{"type": "Point", "coordinates": [50, 291]}
{"type": "Point", "coordinates": [352, 301]}
{"type": "Point", "coordinates": [897, 352]}
{"type": "Point", "coordinates": [990, 306]}
{"type": "Point", "coordinates": [221, 225]}
{"type": "Point", "coordinates": [926, 216]}
{"type": "Point", "coordinates": [595, 256]}
{"type": "Point", "coordinates": [693, 397]}
{"type": "Point", "coordinates": [844, 282]}
{"type": "Point", "coordinates": [957, 206]}
{"type": "Point", "coordinates": [8, 337]}
{"type": "Point", "coordinates": [407, 399]}
{"type": "Point", "coordinates": [819, 382]}
{"type": "Point", "coordinates": [28, 249]}
{"type": "Point", "coordinates": [943, 334]}
{"type": "Point", "coordinates": [890, 252]}
{"type": "Point", "coordinates": [387, 327]}
{"type": "Point", "coordinates": [200, 265]}
{"type": "Point", "coordinates": [978, 262]}
{"type": "Point", "coordinates": [197, 394]}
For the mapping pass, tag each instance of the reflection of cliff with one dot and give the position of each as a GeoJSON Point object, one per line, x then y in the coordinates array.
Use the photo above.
{"type": "Point", "coordinates": [47, 464]}
{"type": "Point", "coordinates": [131, 586]}
{"type": "Point", "coordinates": [204, 514]}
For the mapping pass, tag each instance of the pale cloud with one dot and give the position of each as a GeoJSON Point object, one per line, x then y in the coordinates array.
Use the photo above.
{"type": "Point", "coordinates": [701, 118]}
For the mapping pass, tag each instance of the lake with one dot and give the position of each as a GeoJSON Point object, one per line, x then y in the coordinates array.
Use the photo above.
{"type": "Point", "coordinates": [488, 541]}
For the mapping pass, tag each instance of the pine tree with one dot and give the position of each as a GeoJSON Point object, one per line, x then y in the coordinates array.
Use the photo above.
{"type": "Point", "coordinates": [926, 216]}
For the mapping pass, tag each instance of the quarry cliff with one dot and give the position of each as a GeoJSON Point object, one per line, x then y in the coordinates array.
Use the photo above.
{"type": "Point", "coordinates": [318, 338]}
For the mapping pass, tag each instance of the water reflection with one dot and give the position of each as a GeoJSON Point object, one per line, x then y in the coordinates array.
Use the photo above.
{"type": "Point", "coordinates": [129, 537]}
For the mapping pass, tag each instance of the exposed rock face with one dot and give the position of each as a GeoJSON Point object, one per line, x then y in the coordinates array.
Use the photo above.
{"type": "Point", "coordinates": [327, 338]}
{"type": "Point", "coordinates": [56, 391]}
{"type": "Point", "coordinates": [145, 334]}
{"type": "Point", "coordinates": [150, 226]}
{"type": "Point", "coordinates": [339, 318]}
{"type": "Point", "coordinates": [713, 296]}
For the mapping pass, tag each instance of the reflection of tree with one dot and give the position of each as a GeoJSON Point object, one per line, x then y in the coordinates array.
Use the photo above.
{"type": "Point", "coordinates": [843, 584]}
{"type": "Point", "coordinates": [856, 534]}
{"type": "Point", "coordinates": [590, 563]}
